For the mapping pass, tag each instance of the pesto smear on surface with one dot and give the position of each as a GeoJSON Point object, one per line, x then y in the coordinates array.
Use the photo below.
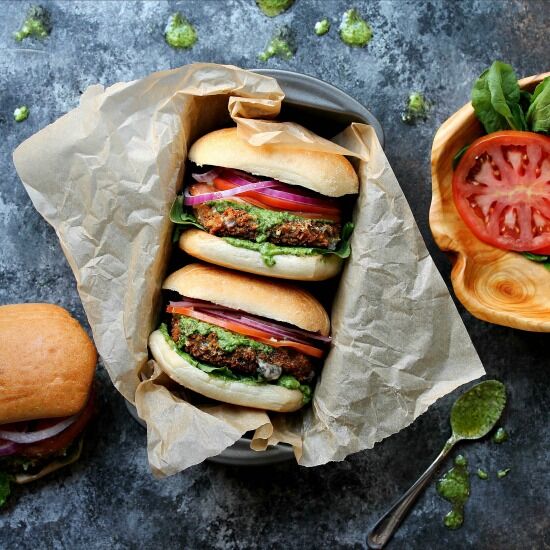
{"type": "Point", "coordinates": [503, 473]}
{"type": "Point", "coordinates": [272, 8]}
{"type": "Point", "coordinates": [36, 25]}
{"type": "Point", "coordinates": [21, 113]}
{"type": "Point", "coordinates": [417, 109]}
{"type": "Point", "coordinates": [454, 487]}
{"type": "Point", "coordinates": [500, 436]}
{"type": "Point", "coordinates": [354, 30]}
{"type": "Point", "coordinates": [322, 27]}
{"type": "Point", "coordinates": [281, 45]}
{"type": "Point", "coordinates": [179, 33]}
{"type": "Point", "coordinates": [482, 474]}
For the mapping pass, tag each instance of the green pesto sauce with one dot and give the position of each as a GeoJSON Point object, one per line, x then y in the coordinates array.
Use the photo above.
{"type": "Point", "coordinates": [354, 30]}
{"type": "Point", "coordinates": [503, 473]}
{"type": "Point", "coordinates": [286, 381]}
{"type": "Point", "coordinates": [322, 27]}
{"type": "Point", "coordinates": [36, 25]}
{"type": "Point", "coordinates": [482, 474]}
{"type": "Point", "coordinates": [501, 435]}
{"type": "Point", "coordinates": [265, 219]}
{"type": "Point", "coordinates": [228, 341]}
{"type": "Point", "coordinates": [5, 487]}
{"type": "Point", "coordinates": [272, 8]}
{"type": "Point", "coordinates": [281, 45]}
{"type": "Point", "coordinates": [21, 113]}
{"type": "Point", "coordinates": [269, 250]}
{"type": "Point", "coordinates": [475, 412]}
{"type": "Point", "coordinates": [454, 487]}
{"type": "Point", "coordinates": [179, 33]}
{"type": "Point", "coordinates": [417, 108]}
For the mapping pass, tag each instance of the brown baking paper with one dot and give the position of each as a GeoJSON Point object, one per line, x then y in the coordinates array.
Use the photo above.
{"type": "Point", "coordinates": [105, 175]}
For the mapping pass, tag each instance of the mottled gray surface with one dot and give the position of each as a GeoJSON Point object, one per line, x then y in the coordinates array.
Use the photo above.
{"type": "Point", "coordinates": [109, 500]}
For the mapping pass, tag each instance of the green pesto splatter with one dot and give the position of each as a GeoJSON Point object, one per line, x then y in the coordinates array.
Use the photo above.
{"type": "Point", "coordinates": [354, 30]}
{"type": "Point", "coordinates": [21, 113]}
{"type": "Point", "coordinates": [500, 436]}
{"type": "Point", "coordinates": [322, 27]}
{"type": "Point", "coordinates": [272, 8]}
{"type": "Point", "coordinates": [5, 488]}
{"type": "Point", "coordinates": [482, 474]}
{"type": "Point", "coordinates": [179, 33]}
{"type": "Point", "coordinates": [417, 109]}
{"type": "Point", "coordinates": [36, 25]}
{"type": "Point", "coordinates": [454, 487]}
{"type": "Point", "coordinates": [503, 473]}
{"type": "Point", "coordinates": [281, 45]}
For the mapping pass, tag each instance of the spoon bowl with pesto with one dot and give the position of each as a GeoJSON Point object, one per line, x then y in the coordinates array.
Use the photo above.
{"type": "Point", "coordinates": [473, 415]}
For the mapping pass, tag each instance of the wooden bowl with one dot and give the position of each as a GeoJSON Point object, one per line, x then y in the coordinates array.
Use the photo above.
{"type": "Point", "coordinates": [495, 285]}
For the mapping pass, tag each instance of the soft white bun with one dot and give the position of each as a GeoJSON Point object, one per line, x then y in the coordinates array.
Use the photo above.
{"type": "Point", "coordinates": [215, 250]}
{"type": "Point", "coordinates": [329, 174]}
{"type": "Point", "coordinates": [256, 295]}
{"type": "Point", "coordinates": [267, 396]}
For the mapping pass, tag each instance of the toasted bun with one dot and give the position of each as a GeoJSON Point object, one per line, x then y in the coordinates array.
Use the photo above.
{"type": "Point", "coordinates": [329, 174]}
{"type": "Point", "coordinates": [266, 396]}
{"type": "Point", "coordinates": [255, 295]}
{"type": "Point", "coordinates": [215, 250]}
{"type": "Point", "coordinates": [47, 363]}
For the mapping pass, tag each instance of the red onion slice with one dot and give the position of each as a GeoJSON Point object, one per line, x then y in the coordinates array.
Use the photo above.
{"type": "Point", "coordinates": [33, 437]}
{"type": "Point", "coordinates": [8, 448]}
{"type": "Point", "coordinates": [191, 200]}
{"type": "Point", "coordinates": [193, 303]}
{"type": "Point", "coordinates": [206, 177]}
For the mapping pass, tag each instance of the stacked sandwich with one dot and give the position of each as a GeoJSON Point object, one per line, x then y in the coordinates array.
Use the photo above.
{"type": "Point", "coordinates": [232, 333]}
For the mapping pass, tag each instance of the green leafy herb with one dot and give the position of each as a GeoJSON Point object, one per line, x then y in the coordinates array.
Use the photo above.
{"type": "Point", "coordinates": [179, 215]}
{"type": "Point", "coordinates": [495, 98]}
{"type": "Point", "coordinates": [5, 488]}
{"type": "Point", "coordinates": [539, 258]}
{"type": "Point", "coordinates": [538, 115]}
{"type": "Point", "coordinates": [36, 25]}
{"type": "Point", "coordinates": [459, 155]}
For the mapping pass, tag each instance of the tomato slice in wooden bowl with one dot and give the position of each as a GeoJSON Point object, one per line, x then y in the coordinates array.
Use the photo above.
{"type": "Point", "coordinates": [501, 188]}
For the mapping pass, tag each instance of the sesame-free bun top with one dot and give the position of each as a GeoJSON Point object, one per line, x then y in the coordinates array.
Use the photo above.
{"type": "Point", "coordinates": [329, 174]}
{"type": "Point", "coordinates": [47, 363]}
{"type": "Point", "coordinates": [255, 295]}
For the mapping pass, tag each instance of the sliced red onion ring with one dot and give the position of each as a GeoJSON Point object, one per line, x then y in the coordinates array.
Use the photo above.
{"type": "Point", "coordinates": [193, 303]}
{"type": "Point", "coordinates": [191, 200]}
{"type": "Point", "coordinates": [8, 448]}
{"type": "Point", "coordinates": [206, 177]}
{"type": "Point", "coordinates": [33, 437]}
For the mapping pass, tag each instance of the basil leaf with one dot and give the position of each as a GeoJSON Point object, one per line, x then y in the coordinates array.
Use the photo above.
{"type": "Point", "coordinates": [5, 488]}
{"type": "Point", "coordinates": [539, 258]}
{"type": "Point", "coordinates": [538, 115]}
{"type": "Point", "coordinates": [495, 99]}
{"type": "Point", "coordinates": [179, 215]}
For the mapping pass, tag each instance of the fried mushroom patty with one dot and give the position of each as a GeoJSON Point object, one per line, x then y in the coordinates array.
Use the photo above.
{"type": "Point", "coordinates": [244, 359]}
{"type": "Point", "coordinates": [234, 222]}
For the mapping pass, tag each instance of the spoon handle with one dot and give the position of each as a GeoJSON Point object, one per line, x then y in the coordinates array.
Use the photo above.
{"type": "Point", "coordinates": [382, 532]}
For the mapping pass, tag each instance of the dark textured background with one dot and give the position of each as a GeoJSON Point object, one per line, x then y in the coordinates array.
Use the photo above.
{"type": "Point", "coordinates": [109, 499]}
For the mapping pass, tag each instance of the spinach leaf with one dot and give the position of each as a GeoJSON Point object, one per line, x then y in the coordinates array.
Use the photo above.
{"type": "Point", "coordinates": [538, 115]}
{"type": "Point", "coordinates": [495, 98]}
{"type": "Point", "coordinates": [5, 488]}
{"type": "Point", "coordinates": [179, 215]}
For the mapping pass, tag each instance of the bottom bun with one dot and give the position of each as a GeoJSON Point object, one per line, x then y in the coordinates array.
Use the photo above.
{"type": "Point", "coordinates": [258, 396]}
{"type": "Point", "coordinates": [216, 250]}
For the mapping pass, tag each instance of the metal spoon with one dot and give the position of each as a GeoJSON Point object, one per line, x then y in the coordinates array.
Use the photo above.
{"type": "Point", "coordinates": [473, 415]}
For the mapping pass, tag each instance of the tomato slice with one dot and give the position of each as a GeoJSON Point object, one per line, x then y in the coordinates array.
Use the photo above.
{"type": "Point", "coordinates": [254, 333]}
{"type": "Point", "coordinates": [265, 201]}
{"type": "Point", "coordinates": [501, 189]}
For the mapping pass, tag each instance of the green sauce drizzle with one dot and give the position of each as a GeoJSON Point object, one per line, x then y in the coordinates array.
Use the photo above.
{"type": "Point", "coordinates": [179, 33]}
{"type": "Point", "coordinates": [281, 45]}
{"type": "Point", "coordinates": [272, 8]}
{"type": "Point", "coordinates": [417, 109]}
{"type": "Point", "coordinates": [21, 113]}
{"type": "Point", "coordinates": [503, 473]}
{"type": "Point", "coordinates": [501, 435]}
{"type": "Point", "coordinates": [482, 474]}
{"type": "Point", "coordinates": [354, 30]}
{"type": "Point", "coordinates": [454, 487]}
{"type": "Point", "coordinates": [268, 251]}
{"type": "Point", "coordinates": [322, 27]}
{"type": "Point", "coordinates": [36, 25]}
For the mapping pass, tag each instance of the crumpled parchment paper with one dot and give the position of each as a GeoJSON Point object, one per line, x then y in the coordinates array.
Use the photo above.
{"type": "Point", "coordinates": [105, 175]}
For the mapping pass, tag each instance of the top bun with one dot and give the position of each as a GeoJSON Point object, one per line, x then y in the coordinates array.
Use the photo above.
{"type": "Point", "coordinates": [254, 295]}
{"type": "Point", "coordinates": [47, 363]}
{"type": "Point", "coordinates": [329, 174]}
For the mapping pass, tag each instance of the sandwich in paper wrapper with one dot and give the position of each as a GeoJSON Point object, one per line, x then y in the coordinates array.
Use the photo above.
{"type": "Point", "coordinates": [105, 176]}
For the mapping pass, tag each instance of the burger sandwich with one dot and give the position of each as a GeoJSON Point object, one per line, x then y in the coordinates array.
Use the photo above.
{"type": "Point", "coordinates": [47, 364]}
{"type": "Point", "coordinates": [270, 210]}
{"type": "Point", "coordinates": [241, 339]}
